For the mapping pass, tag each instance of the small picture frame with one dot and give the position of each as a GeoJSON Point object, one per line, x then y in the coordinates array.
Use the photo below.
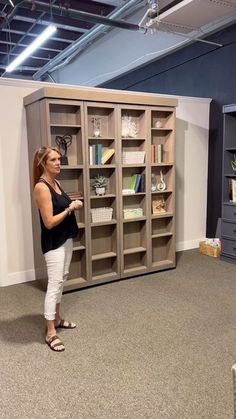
{"type": "Point", "coordinates": [158, 205]}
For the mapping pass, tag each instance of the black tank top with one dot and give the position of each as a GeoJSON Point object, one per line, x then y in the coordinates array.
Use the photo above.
{"type": "Point", "coordinates": [68, 228]}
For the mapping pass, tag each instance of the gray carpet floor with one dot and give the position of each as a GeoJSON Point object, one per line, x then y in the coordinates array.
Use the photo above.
{"type": "Point", "coordinates": [157, 346]}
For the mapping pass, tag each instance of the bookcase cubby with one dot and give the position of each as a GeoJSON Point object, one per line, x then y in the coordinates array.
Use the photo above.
{"type": "Point", "coordinates": [128, 138]}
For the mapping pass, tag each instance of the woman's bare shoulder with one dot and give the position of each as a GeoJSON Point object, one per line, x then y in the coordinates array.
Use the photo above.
{"type": "Point", "coordinates": [41, 188]}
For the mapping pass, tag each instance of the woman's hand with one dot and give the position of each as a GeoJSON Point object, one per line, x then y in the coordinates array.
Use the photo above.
{"type": "Point", "coordinates": [75, 205]}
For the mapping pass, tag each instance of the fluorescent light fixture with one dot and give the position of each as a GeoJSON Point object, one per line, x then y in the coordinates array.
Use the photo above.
{"type": "Point", "coordinates": [31, 48]}
{"type": "Point", "coordinates": [11, 3]}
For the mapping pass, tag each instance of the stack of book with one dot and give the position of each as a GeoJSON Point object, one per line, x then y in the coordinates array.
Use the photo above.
{"type": "Point", "coordinates": [74, 195]}
{"type": "Point", "coordinates": [137, 183]}
{"type": "Point", "coordinates": [98, 154]}
{"type": "Point", "coordinates": [157, 153]}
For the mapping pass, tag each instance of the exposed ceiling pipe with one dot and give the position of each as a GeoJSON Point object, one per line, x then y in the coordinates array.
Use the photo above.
{"type": "Point", "coordinates": [83, 40]}
{"type": "Point", "coordinates": [86, 16]}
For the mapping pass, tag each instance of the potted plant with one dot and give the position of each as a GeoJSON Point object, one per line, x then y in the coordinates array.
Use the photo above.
{"type": "Point", "coordinates": [99, 184]}
{"type": "Point", "coordinates": [233, 163]}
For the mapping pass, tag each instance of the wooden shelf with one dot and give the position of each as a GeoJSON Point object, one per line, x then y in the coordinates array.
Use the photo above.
{"type": "Point", "coordinates": [134, 250]}
{"type": "Point", "coordinates": [97, 139]}
{"type": "Point", "coordinates": [155, 236]}
{"type": "Point", "coordinates": [163, 264]}
{"type": "Point", "coordinates": [104, 256]}
{"type": "Point", "coordinates": [76, 248]}
{"type": "Point", "coordinates": [133, 165]}
{"type": "Point", "coordinates": [133, 194]}
{"type": "Point", "coordinates": [102, 166]}
{"type": "Point", "coordinates": [104, 277]}
{"type": "Point", "coordinates": [103, 223]}
{"type": "Point", "coordinates": [103, 196]}
{"type": "Point", "coordinates": [164, 215]}
{"type": "Point", "coordinates": [69, 167]}
{"type": "Point", "coordinates": [162, 164]}
{"type": "Point", "coordinates": [131, 220]}
{"type": "Point", "coordinates": [161, 129]}
{"type": "Point", "coordinates": [133, 139]}
{"type": "Point", "coordinates": [135, 270]}
{"type": "Point", "coordinates": [161, 192]}
{"type": "Point", "coordinates": [65, 125]}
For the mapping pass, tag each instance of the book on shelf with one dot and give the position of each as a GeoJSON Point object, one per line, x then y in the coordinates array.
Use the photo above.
{"type": "Point", "coordinates": [137, 183]}
{"type": "Point", "coordinates": [128, 191]}
{"type": "Point", "coordinates": [74, 195]}
{"type": "Point", "coordinates": [133, 181]}
{"type": "Point", "coordinates": [142, 183]}
{"type": "Point", "coordinates": [157, 153]}
{"type": "Point", "coordinates": [99, 154]}
{"type": "Point", "coordinates": [107, 154]}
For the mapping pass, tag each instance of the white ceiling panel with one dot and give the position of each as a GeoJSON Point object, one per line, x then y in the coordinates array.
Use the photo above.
{"type": "Point", "coordinates": [197, 13]}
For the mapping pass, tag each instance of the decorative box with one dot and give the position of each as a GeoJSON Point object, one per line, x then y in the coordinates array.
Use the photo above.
{"type": "Point", "coordinates": [132, 213]}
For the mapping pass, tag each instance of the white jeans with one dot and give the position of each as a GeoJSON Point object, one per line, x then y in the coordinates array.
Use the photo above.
{"type": "Point", "coordinates": [58, 263]}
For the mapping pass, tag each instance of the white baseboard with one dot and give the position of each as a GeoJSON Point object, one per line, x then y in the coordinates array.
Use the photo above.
{"type": "Point", "coordinates": [187, 245]}
{"type": "Point", "coordinates": [19, 278]}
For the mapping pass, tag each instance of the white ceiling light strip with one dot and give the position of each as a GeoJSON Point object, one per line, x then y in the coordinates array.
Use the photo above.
{"type": "Point", "coordinates": [31, 48]}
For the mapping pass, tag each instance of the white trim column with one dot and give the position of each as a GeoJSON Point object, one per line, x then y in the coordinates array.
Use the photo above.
{"type": "Point", "coordinates": [3, 233]}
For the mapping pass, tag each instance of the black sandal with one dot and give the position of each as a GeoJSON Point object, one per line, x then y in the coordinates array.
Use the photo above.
{"type": "Point", "coordinates": [64, 324]}
{"type": "Point", "coordinates": [53, 342]}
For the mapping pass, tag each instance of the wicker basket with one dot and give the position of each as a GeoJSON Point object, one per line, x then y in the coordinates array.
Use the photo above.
{"type": "Point", "coordinates": [133, 157]}
{"type": "Point", "coordinates": [101, 214]}
{"type": "Point", "coordinates": [207, 249]}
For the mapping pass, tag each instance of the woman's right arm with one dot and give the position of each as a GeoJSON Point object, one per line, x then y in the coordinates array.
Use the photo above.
{"type": "Point", "coordinates": [43, 201]}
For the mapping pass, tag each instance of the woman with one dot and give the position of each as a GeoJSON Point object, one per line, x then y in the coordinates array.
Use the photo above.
{"type": "Point", "coordinates": [58, 228]}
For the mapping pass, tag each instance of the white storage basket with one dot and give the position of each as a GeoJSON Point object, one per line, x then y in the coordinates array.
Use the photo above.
{"type": "Point", "coordinates": [133, 157]}
{"type": "Point", "coordinates": [101, 214]}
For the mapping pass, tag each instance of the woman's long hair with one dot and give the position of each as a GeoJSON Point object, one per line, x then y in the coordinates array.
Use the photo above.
{"type": "Point", "coordinates": [39, 162]}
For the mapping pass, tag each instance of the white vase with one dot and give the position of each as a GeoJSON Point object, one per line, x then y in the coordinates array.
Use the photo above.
{"type": "Point", "coordinates": [100, 191]}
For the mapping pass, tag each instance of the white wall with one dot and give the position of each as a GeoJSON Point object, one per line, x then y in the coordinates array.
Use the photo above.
{"type": "Point", "coordinates": [16, 244]}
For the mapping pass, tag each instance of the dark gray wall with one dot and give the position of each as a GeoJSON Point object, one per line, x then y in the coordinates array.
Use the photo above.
{"type": "Point", "coordinates": [198, 70]}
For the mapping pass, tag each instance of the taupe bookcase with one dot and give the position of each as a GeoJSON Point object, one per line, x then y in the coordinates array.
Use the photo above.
{"type": "Point", "coordinates": [138, 235]}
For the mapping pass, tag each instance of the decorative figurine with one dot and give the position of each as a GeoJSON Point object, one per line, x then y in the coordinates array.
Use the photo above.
{"type": "Point", "coordinates": [97, 127]}
{"type": "Point", "coordinates": [129, 127]}
{"type": "Point", "coordinates": [161, 186]}
{"type": "Point", "coordinates": [158, 124]}
{"type": "Point", "coordinates": [63, 142]}
{"type": "Point", "coordinates": [153, 183]}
